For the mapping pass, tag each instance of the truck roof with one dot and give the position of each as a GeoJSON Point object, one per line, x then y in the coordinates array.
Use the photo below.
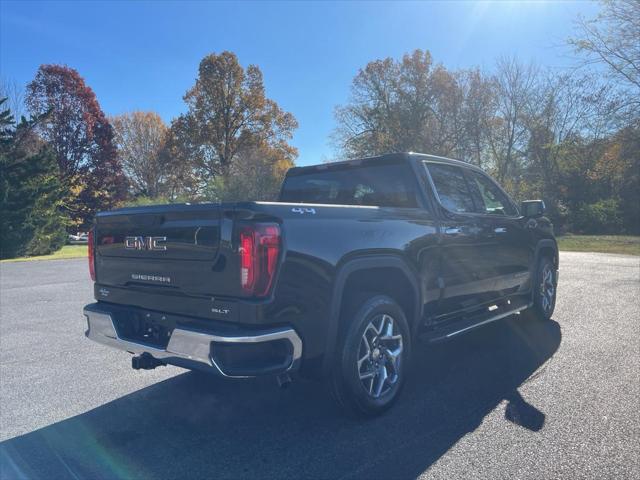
{"type": "Point", "coordinates": [378, 160]}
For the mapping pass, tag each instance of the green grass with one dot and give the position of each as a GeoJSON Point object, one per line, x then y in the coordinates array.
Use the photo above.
{"type": "Point", "coordinates": [68, 251]}
{"type": "Point", "coordinates": [629, 245]}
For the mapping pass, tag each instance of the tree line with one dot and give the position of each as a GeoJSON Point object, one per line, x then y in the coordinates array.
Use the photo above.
{"type": "Point", "coordinates": [68, 160]}
{"type": "Point", "coordinates": [571, 137]}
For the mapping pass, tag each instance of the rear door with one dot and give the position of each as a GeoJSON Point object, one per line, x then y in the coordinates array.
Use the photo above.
{"type": "Point", "coordinates": [465, 256]}
{"type": "Point", "coordinates": [506, 232]}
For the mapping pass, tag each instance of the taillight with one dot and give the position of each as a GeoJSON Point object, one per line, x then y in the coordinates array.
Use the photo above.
{"type": "Point", "coordinates": [259, 251]}
{"type": "Point", "coordinates": [92, 255]}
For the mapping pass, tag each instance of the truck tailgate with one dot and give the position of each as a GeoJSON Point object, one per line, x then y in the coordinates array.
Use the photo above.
{"type": "Point", "coordinates": [171, 247]}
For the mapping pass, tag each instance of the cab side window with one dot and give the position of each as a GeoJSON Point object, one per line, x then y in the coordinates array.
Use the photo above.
{"type": "Point", "coordinates": [494, 201]}
{"type": "Point", "coordinates": [451, 187]}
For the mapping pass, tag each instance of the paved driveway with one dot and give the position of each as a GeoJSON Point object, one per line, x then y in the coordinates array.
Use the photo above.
{"type": "Point", "coordinates": [513, 400]}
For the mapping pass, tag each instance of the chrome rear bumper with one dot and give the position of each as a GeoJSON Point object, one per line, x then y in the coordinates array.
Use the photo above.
{"type": "Point", "coordinates": [188, 347]}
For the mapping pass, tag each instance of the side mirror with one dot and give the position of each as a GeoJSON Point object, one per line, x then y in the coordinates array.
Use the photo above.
{"type": "Point", "coordinates": [532, 208]}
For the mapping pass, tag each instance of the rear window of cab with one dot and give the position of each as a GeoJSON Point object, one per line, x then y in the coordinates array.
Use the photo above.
{"type": "Point", "coordinates": [387, 185]}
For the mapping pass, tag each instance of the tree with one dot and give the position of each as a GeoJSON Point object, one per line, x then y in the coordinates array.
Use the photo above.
{"type": "Point", "coordinates": [612, 39]}
{"type": "Point", "coordinates": [14, 94]}
{"type": "Point", "coordinates": [563, 115]}
{"type": "Point", "coordinates": [477, 113]}
{"type": "Point", "coordinates": [617, 174]}
{"type": "Point", "coordinates": [541, 133]}
{"type": "Point", "coordinates": [140, 138]}
{"type": "Point", "coordinates": [508, 133]}
{"type": "Point", "coordinates": [366, 125]}
{"type": "Point", "coordinates": [228, 114]}
{"type": "Point", "coordinates": [257, 174]}
{"type": "Point", "coordinates": [393, 107]}
{"type": "Point", "coordinates": [81, 138]}
{"type": "Point", "coordinates": [412, 105]}
{"type": "Point", "coordinates": [30, 192]}
{"type": "Point", "coordinates": [184, 178]}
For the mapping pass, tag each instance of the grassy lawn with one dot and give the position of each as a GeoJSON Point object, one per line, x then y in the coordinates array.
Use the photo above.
{"type": "Point", "coordinates": [571, 243]}
{"type": "Point", "coordinates": [68, 251]}
{"type": "Point", "coordinates": [600, 243]}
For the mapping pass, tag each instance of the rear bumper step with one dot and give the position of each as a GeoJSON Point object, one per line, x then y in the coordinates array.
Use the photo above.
{"type": "Point", "coordinates": [254, 353]}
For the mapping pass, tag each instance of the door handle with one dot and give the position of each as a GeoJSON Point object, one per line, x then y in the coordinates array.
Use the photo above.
{"type": "Point", "coordinates": [500, 230]}
{"type": "Point", "coordinates": [452, 231]}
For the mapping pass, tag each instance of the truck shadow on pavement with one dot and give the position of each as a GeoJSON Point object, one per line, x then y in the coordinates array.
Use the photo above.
{"type": "Point", "coordinates": [192, 426]}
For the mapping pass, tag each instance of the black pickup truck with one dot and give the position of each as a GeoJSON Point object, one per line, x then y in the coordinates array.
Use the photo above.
{"type": "Point", "coordinates": [334, 281]}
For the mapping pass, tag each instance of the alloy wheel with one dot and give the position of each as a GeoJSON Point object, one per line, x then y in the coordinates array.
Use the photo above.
{"type": "Point", "coordinates": [380, 355]}
{"type": "Point", "coordinates": [547, 288]}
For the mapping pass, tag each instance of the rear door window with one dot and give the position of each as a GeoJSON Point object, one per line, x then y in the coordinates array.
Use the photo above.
{"type": "Point", "coordinates": [451, 187]}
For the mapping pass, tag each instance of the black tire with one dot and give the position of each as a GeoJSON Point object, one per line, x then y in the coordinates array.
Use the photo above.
{"type": "Point", "coordinates": [544, 291]}
{"type": "Point", "coordinates": [365, 329]}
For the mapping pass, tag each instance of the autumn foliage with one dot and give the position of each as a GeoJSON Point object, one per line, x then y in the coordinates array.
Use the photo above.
{"type": "Point", "coordinates": [229, 120]}
{"type": "Point", "coordinates": [141, 138]}
{"type": "Point", "coordinates": [81, 138]}
{"type": "Point", "coordinates": [570, 137]}
{"type": "Point", "coordinates": [537, 131]}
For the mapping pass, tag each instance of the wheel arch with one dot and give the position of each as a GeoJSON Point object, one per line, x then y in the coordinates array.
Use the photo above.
{"type": "Point", "coordinates": [546, 247]}
{"type": "Point", "coordinates": [367, 272]}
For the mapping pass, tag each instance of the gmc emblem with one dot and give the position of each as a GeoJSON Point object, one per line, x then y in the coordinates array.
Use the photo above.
{"type": "Point", "coordinates": [145, 243]}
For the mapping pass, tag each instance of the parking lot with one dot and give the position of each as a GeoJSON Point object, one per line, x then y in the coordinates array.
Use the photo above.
{"type": "Point", "coordinates": [513, 400]}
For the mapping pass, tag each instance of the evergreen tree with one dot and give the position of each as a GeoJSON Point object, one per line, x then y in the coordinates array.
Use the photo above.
{"type": "Point", "coordinates": [31, 222]}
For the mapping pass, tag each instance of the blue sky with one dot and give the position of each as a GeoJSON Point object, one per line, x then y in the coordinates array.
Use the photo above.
{"type": "Point", "coordinates": [145, 55]}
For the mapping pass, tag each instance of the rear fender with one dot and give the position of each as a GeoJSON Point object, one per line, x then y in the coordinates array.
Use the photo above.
{"type": "Point", "coordinates": [341, 278]}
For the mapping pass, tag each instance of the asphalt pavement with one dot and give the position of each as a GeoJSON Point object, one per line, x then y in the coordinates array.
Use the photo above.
{"type": "Point", "coordinates": [514, 399]}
